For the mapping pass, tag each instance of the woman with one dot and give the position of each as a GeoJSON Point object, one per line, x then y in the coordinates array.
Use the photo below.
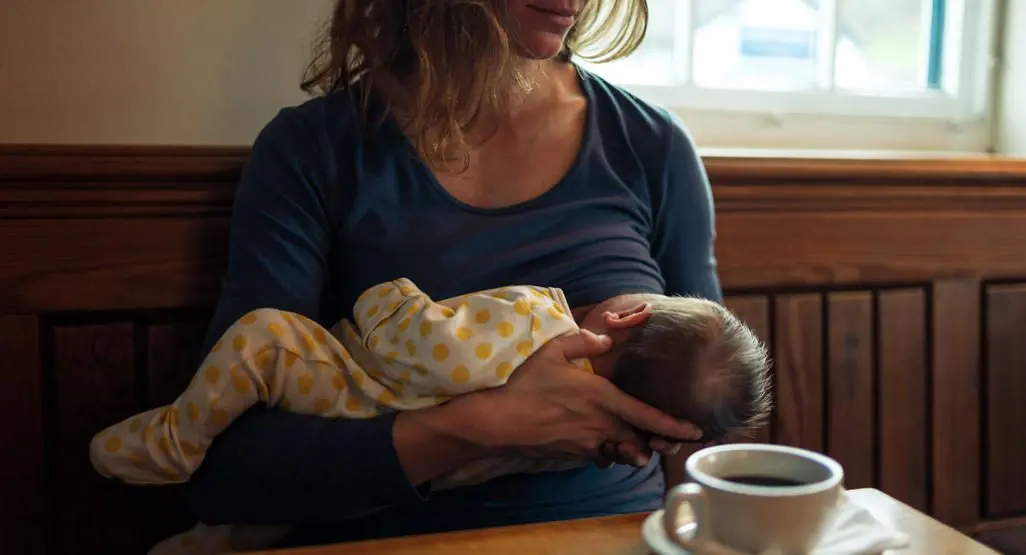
{"type": "Point", "coordinates": [456, 144]}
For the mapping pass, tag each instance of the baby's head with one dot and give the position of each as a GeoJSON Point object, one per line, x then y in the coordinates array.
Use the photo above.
{"type": "Point", "coordinates": [689, 357]}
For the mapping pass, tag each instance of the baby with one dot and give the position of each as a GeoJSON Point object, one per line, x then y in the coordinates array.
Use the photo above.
{"type": "Point", "coordinates": [689, 357]}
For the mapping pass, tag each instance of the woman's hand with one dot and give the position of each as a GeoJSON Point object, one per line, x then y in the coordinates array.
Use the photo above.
{"type": "Point", "coordinates": [551, 409]}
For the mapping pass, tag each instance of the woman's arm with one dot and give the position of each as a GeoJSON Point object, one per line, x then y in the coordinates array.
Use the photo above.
{"type": "Point", "coordinates": [684, 224]}
{"type": "Point", "coordinates": [280, 467]}
{"type": "Point", "coordinates": [682, 239]}
{"type": "Point", "coordinates": [272, 466]}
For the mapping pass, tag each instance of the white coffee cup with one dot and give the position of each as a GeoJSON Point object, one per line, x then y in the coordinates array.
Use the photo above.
{"type": "Point", "coordinates": [755, 498]}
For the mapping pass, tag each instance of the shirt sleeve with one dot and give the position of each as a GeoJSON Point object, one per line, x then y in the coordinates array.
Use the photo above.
{"type": "Point", "coordinates": [684, 222]}
{"type": "Point", "coordinates": [272, 466]}
{"type": "Point", "coordinates": [280, 231]}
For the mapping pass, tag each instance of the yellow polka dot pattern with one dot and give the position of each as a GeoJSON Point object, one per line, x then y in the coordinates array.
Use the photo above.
{"type": "Point", "coordinates": [503, 370]}
{"type": "Point", "coordinates": [460, 375]}
{"type": "Point", "coordinates": [483, 351]}
{"type": "Point", "coordinates": [505, 329]}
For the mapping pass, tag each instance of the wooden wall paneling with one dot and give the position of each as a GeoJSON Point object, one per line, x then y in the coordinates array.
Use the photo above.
{"type": "Point", "coordinates": [173, 356]}
{"type": "Point", "coordinates": [1005, 471]}
{"type": "Point", "coordinates": [955, 413]}
{"type": "Point", "coordinates": [172, 351]}
{"type": "Point", "coordinates": [24, 518]}
{"type": "Point", "coordinates": [902, 396]}
{"type": "Point", "coordinates": [755, 312]}
{"type": "Point", "coordinates": [798, 332]}
{"type": "Point", "coordinates": [94, 366]}
{"type": "Point", "coordinates": [82, 264]}
{"type": "Point", "coordinates": [833, 245]}
{"type": "Point", "coordinates": [849, 383]}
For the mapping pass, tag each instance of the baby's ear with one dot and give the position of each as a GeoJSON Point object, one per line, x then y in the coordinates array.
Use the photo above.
{"type": "Point", "coordinates": [629, 318]}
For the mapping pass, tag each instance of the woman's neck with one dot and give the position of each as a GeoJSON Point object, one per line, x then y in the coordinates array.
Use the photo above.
{"type": "Point", "coordinates": [549, 81]}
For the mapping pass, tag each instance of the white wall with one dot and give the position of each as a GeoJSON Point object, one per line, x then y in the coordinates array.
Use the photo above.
{"type": "Point", "coordinates": [215, 71]}
{"type": "Point", "coordinates": [150, 71]}
{"type": "Point", "coordinates": [1011, 130]}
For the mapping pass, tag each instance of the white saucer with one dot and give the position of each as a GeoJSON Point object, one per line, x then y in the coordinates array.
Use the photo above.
{"type": "Point", "coordinates": [655, 537]}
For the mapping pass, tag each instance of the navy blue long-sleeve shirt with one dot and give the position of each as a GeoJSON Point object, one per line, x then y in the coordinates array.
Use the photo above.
{"type": "Point", "coordinates": [326, 209]}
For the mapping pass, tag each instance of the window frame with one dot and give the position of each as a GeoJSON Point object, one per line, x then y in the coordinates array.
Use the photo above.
{"type": "Point", "coordinates": [967, 112]}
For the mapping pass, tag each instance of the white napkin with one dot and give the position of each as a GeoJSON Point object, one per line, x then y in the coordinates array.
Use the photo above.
{"type": "Point", "coordinates": [855, 531]}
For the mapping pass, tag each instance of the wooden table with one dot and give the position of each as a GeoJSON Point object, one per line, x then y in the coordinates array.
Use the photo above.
{"type": "Point", "coordinates": [621, 535]}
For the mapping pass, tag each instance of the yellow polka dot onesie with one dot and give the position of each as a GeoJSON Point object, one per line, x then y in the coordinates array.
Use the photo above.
{"type": "Point", "coordinates": [404, 352]}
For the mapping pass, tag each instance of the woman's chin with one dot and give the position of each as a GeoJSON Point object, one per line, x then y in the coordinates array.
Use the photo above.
{"type": "Point", "coordinates": [541, 46]}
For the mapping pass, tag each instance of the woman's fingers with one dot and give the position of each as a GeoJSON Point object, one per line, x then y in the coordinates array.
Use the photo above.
{"type": "Point", "coordinates": [625, 453]}
{"type": "Point", "coordinates": [564, 413]}
{"type": "Point", "coordinates": [664, 447]}
{"type": "Point", "coordinates": [632, 455]}
{"type": "Point", "coordinates": [607, 455]}
{"type": "Point", "coordinates": [645, 417]}
{"type": "Point", "coordinates": [625, 444]}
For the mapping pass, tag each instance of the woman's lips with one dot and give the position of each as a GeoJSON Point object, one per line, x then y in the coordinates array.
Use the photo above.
{"type": "Point", "coordinates": [559, 16]}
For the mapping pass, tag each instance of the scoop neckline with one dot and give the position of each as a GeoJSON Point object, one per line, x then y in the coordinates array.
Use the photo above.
{"type": "Point", "coordinates": [585, 147]}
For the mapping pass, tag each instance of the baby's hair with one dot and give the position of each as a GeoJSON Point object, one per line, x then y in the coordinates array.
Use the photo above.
{"type": "Point", "coordinates": [697, 361]}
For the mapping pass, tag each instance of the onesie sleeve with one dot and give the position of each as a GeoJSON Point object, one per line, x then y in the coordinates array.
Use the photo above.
{"type": "Point", "coordinates": [458, 345]}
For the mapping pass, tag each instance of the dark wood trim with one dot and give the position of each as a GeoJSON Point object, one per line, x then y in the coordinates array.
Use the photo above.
{"type": "Point", "coordinates": [92, 176]}
{"type": "Point", "coordinates": [169, 161]}
{"type": "Point", "coordinates": [1000, 524]}
{"type": "Point", "coordinates": [104, 164]}
{"type": "Point", "coordinates": [865, 169]}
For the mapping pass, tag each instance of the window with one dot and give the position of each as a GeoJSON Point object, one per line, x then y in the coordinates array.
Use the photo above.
{"type": "Point", "coordinates": [912, 62]}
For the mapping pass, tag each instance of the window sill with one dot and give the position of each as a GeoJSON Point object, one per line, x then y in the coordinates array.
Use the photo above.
{"type": "Point", "coordinates": [841, 154]}
{"type": "Point", "coordinates": [869, 167]}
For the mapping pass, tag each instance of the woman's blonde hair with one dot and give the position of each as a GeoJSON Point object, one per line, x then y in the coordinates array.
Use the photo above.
{"type": "Point", "coordinates": [453, 58]}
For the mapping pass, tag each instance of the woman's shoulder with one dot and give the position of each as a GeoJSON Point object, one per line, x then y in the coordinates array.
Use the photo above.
{"type": "Point", "coordinates": [619, 110]}
{"type": "Point", "coordinates": [332, 117]}
{"type": "Point", "coordinates": [320, 140]}
{"type": "Point", "coordinates": [303, 153]}
{"type": "Point", "coordinates": [637, 134]}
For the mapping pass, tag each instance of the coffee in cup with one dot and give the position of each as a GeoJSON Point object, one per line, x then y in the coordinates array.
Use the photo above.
{"type": "Point", "coordinates": [755, 498]}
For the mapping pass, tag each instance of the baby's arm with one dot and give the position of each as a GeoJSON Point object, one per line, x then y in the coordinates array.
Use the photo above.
{"type": "Point", "coordinates": [460, 345]}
